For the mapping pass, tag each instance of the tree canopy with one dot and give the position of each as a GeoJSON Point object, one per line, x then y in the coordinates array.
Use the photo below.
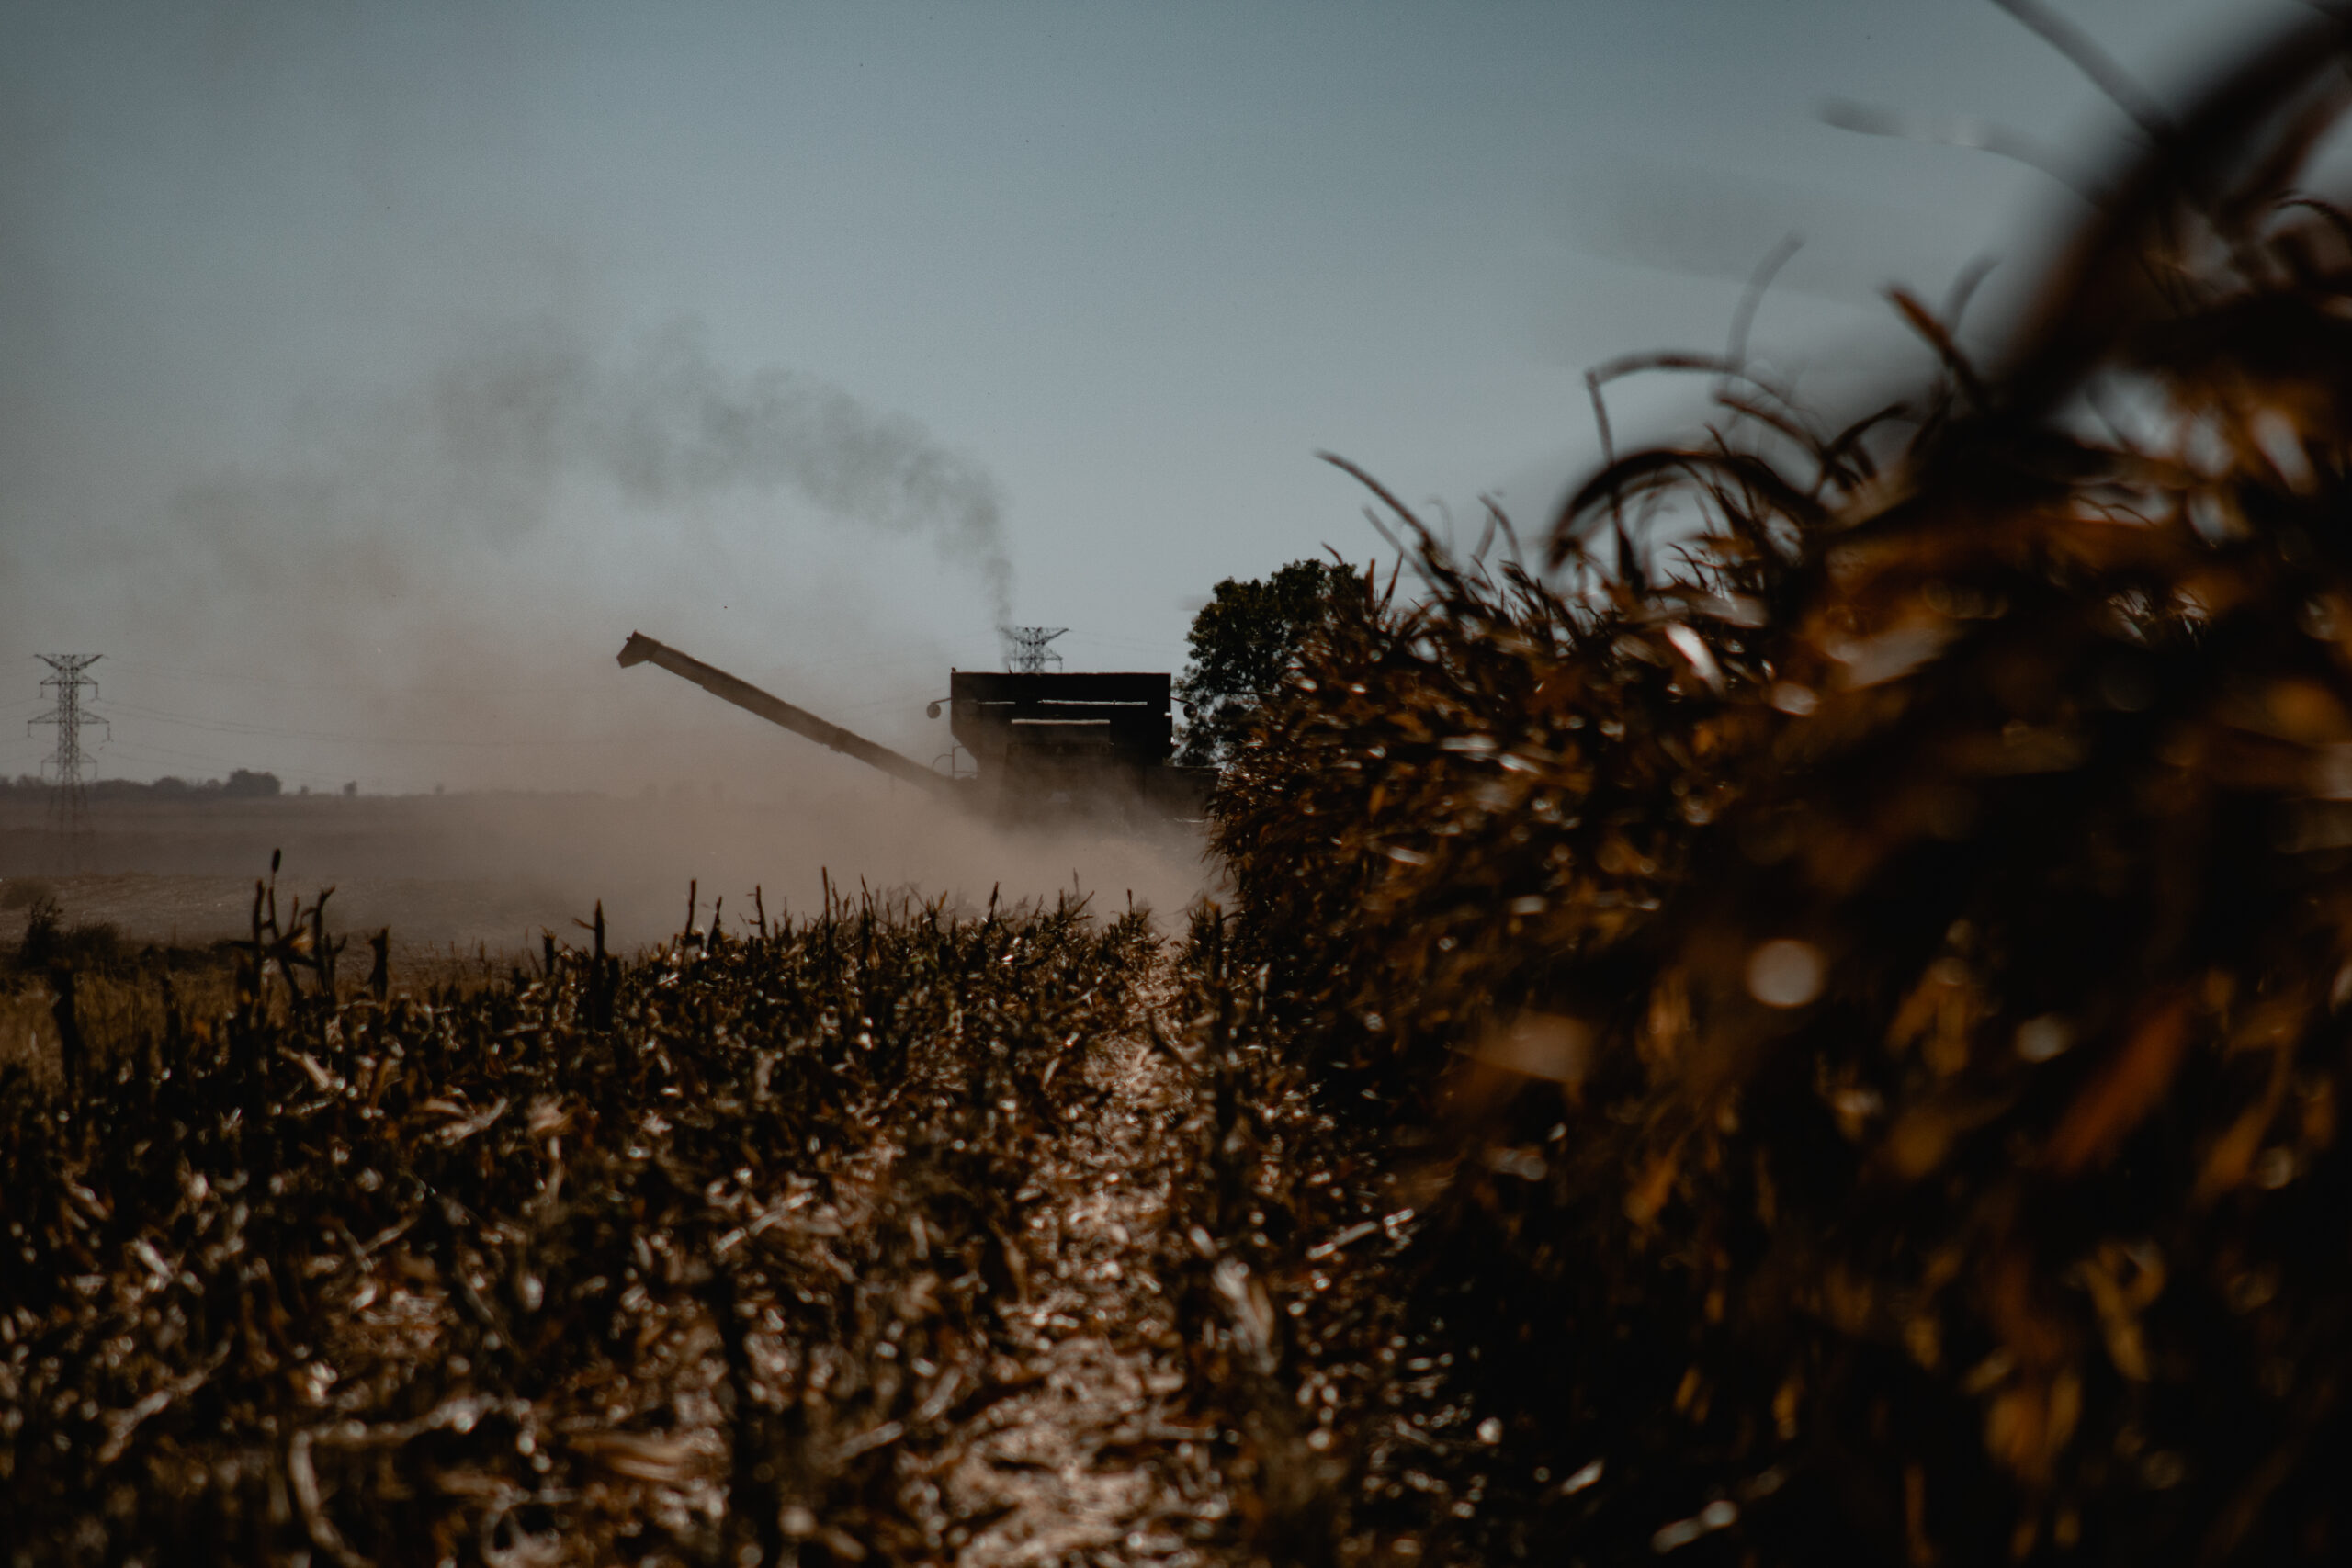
{"type": "Point", "coordinates": [1242, 641]}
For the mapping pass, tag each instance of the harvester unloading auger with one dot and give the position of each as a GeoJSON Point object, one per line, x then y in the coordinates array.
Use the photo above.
{"type": "Point", "coordinates": [1039, 744]}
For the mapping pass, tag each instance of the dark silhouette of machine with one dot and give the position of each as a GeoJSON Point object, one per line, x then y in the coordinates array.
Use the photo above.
{"type": "Point", "coordinates": [1040, 744]}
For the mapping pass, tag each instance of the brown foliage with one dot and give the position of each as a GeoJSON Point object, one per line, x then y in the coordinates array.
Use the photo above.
{"type": "Point", "coordinates": [1933, 830]}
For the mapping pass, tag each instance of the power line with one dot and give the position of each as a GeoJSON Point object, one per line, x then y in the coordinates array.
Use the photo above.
{"type": "Point", "coordinates": [280, 732]}
{"type": "Point", "coordinates": [405, 689]}
{"type": "Point", "coordinates": [68, 804]}
{"type": "Point", "coordinates": [223, 677]}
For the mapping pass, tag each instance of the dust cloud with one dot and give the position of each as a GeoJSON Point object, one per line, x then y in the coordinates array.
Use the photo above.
{"type": "Point", "coordinates": [493, 871]}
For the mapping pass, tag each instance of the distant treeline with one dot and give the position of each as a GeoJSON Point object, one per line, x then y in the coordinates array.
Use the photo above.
{"type": "Point", "coordinates": [241, 784]}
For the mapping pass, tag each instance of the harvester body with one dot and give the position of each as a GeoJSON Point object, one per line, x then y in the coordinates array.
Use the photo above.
{"type": "Point", "coordinates": [1047, 741]}
{"type": "Point", "coordinates": [1040, 744]}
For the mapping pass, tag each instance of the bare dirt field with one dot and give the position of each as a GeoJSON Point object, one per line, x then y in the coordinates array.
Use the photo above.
{"type": "Point", "coordinates": [490, 873]}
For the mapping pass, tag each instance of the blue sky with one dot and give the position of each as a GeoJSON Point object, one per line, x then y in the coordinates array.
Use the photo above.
{"type": "Point", "coordinates": [367, 371]}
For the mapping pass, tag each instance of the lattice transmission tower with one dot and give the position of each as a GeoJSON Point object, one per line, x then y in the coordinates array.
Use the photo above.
{"type": "Point", "coordinates": [69, 795]}
{"type": "Point", "coordinates": [1025, 652]}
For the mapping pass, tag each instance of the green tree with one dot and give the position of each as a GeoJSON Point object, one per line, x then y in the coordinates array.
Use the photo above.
{"type": "Point", "coordinates": [1243, 641]}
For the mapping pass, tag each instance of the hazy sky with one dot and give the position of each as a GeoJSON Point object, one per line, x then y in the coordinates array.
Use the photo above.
{"type": "Point", "coordinates": [369, 371]}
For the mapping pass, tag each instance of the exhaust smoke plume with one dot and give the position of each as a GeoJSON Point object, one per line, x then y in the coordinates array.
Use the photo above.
{"type": "Point", "coordinates": [666, 425]}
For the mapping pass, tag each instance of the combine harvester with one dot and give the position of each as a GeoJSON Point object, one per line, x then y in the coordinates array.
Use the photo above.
{"type": "Point", "coordinates": [1041, 746]}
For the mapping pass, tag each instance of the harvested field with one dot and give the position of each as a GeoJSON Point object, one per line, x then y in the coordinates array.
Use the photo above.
{"type": "Point", "coordinates": [834, 1242]}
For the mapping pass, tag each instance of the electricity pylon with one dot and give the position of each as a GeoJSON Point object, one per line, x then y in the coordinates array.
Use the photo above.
{"type": "Point", "coordinates": [1026, 650]}
{"type": "Point", "coordinates": [69, 800]}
